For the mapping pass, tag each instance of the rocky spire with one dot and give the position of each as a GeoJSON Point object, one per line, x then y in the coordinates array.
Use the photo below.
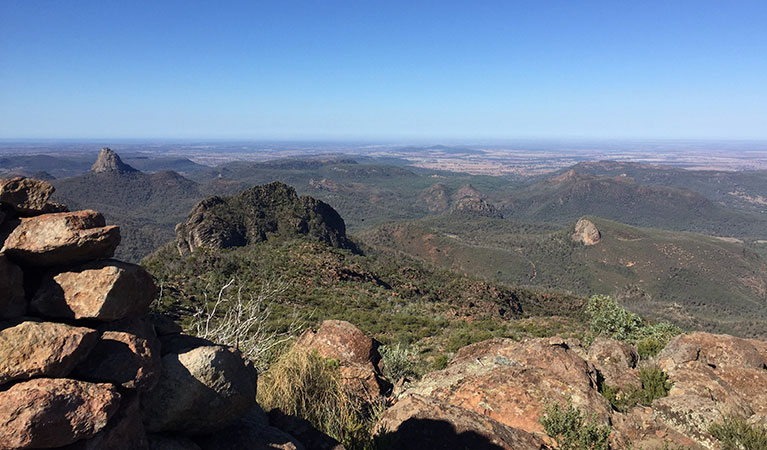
{"type": "Point", "coordinates": [109, 161]}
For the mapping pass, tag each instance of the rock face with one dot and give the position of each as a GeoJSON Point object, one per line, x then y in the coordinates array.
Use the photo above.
{"type": "Point", "coordinates": [357, 354]}
{"type": "Point", "coordinates": [103, 290]}
{"type": "Point", "coordinates": [714, 376]}
{"type": "Point", "coordinates": [586, 232]}
{"type": "Point", "coordinates": [25, 195]}
{"type": "Point", "coordinates": [12, 301]}
{"type": "Point", "coordinates": [511, 381]}
{"type": "Point", "coordinates": [45, 412]}
{"type": "Point", "coordinates": [42, 349]}
{"type": "Point", "coordinates": [418, 422]}
{"type": "Point", "coordinates": [62, 238]}
{"type": "Point", "coordinates": [109, 161]}
{"type": "Point", "coordinates": [256, 214]}
{"type": "Point", "coordinates": [201, 391]}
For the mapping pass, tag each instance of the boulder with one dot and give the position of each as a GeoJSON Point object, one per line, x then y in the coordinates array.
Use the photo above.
{"type": "Point", "coordinates": [42, 349]}
{"type": "Point", "coordinates": [12, 301]}
{"type": "Point", "coordinates": [512, 381]}
{"type": "Point", "coordinates": [48, 412]}
{"type": "Point", "coordinates": [104, 290]}
{"type": "Point", "coordinates": [715, 350]}
{"type": "Point", "coordinates": [62, 238]}
{"type": "Point", "coordinates": [127, 353]}
{"type": "Point", "coordinates": [163, 442]}
{"type": "Point", "coordinates": [615, 361]}
{"type": "Point", "coordinates": [357, 354]}
{"type": "Point", "coordinates": [251, 431]}
{"type": "Point", "coordinates": [123, 432]}
{"type": "Point", "coordinates": [200, 391]}
{"type": "Point", "coordinates": [343, 341]}
{"type": "Point", "coordinates": [586, 232]}
{"type": "Point", "coordinates": [713, 376]}
{"type": "Point", "coordinates": [418, 422]}
{"type": "Point", "coordinates": [25, 195]}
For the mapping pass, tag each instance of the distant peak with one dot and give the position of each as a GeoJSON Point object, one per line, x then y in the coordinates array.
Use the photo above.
{"type": "Point", "coordinates": [109, 161]}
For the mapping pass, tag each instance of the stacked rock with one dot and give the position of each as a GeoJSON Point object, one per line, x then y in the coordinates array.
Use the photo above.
{"type": "Point", "coordinates": [84, 365]}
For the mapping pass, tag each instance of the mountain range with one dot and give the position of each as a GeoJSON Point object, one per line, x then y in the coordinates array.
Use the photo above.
{"type": "Point", "coordinates": [667, 250]}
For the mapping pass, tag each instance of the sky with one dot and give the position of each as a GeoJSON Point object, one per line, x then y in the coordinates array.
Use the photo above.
{"type": "Point", "coordinates": [377, 70]}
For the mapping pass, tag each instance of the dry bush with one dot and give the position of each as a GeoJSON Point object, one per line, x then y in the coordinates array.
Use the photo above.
{"type": "Point", "coordinates": [241, 320]}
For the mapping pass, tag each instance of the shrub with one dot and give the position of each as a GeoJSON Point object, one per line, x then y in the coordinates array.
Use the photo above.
{"type": "Point", "coordinates": [398, 361]}
{"type": "Point", "coordinates": [304, 384]}
{"type": "Point", "coordinates": [608, 318]}
{"type": "Point", "coordinates": [653, 338]}
{"type": "Point", "coordinates": [736, 434]}
{"type": "Point", "coordinates": [654, 384]}
{"type": "Point", "coordinates": [572, 430]}
{"type": "Point", "coordinates": [440, 361]}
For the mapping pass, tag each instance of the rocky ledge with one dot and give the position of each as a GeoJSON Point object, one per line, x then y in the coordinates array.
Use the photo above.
{"type": "Point", "coordinates": [84, 366]}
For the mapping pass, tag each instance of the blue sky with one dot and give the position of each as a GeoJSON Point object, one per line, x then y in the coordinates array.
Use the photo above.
{"type": "Point", "coordinates": [383, 70]}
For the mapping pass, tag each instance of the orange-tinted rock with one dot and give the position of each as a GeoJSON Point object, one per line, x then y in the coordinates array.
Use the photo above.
{"type": "Point", "coordinates": [12, 301]}
{"type": "Point", "coordinates": [616, 361]}
{"type": "Point", "coordinates": [343, 341]}
{"type": "Point", "coordinates": [357, 354]}
{"type": "Point", "coordinates": [713, 376]}
{"type": "Point", "coordinates": [418, 423]}
{"type": "Point", "coordinates": [127, 353]}
{"type": "Point", "coordinates": [642, 429]}
{"type": "Point", "coordinates": [105, 290]}
{"type": "Point", "coordinates": [511, 381]}
{"type": "Point", "coordinates": [586, 232]}
{"type": "Point", "coordinates": [35, 349]}
{"type": "Point", "coordinates": [47, 412]}
{"type": "Point", "coordinates": [62, 238]}
{"type": "Point", "coordinates": [25, 195]}
{"type": "Point", "coordinates": [716, 350]}
{"type": "Point", "coordinates": [124, 431]}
